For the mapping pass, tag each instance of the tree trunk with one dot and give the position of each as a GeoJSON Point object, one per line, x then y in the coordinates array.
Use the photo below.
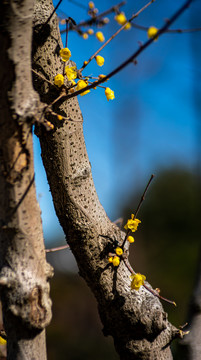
{"type": "Point", "coordinates": [136, 320]}
{"type": "Point", "coordinates": [23, 268]}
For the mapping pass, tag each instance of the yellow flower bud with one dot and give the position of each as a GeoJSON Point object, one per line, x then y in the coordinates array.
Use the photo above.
{"type": "Point", "coordinates": [109, 94]}
{"type": "Point", "coordinates": [151, 32]}
{"type": "Point", "coordinates": [59, 117]}
{"type": "Point", "coordinates": [59, 80]}
{"type": "Point", "coordinates": [119, 251]}
{"type": "Point", "coordinates": [116, 261]}
{"type": "Point", "coordinates": [65, 54]}
{"type": "Point", "coordinates": [101, 76]}
{"type": "Point", "coordinates": [137, 281]}
{"type": "Point", "coordinates": [81, 85]}
{"type": "Point", "coordinates": [51, 126]}
{"type": "Point", "coordinates": [2, 341]}
{"type": "Point", "coordinates": [90, 31]}
{"type": "Point", "coordinates": [100, 36]}
{"type": "Point", "coordinates": [85, 36]}
{"type": "Point", "coordinates": [91, 5]}
{"type": "Point", "coordinates": [130, 239]}
{"type": "Point", "coordinates": [110, 259]}
{"type": "Point", "coordinates": [71, 73]}
{"type": "Point", "coordinates": [128, 26]}
{"type": "Point", "coordinates": [120, 18]}
{"type": "Point", "coordinates": [100, 60]}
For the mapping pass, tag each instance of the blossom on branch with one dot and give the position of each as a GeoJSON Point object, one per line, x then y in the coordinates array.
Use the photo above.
{"type": "Point", "coordinates": [151, 32]}
{"type": "Point", "coordinates": [119, 251]}
{"type": "Point", "coordinates": [65, 54]}
{"type": "Point", "coordinates": [116, 261]}
{"type": "Point", "coordinates": [59, 80]}
{"type": "Point", "coordinates": [100, 60]}
{"type": "Point", "coordinates": [100, 36]}
{"type": "Point", "coordinates": [121, 20]}
{"type": "Point", "coordinates": [137, 281]}
{"type": "Point", "coordinates": [130, 239]}
{"type": "Point", "coordinates": [71, 73]}
{"type": "Point", "coordinates": [91, 4]}
{"type": "Point", "coordinates": [132, 224]}
{"type": "Point", "coordinates": [109, 94]}
{"type": "Point", "coordinates": [81, 85]}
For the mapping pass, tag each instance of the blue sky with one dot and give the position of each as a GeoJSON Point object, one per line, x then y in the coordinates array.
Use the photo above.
{"type": "Point", "coordinates": [152, 122]}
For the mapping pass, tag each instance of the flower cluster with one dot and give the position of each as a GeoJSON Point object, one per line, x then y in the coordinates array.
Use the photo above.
{"type": "Point", "coordinates": [116, 258]}
{"type": "Point", "coordinates": [71, 74]}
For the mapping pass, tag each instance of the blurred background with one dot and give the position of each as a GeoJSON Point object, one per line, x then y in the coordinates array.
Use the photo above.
{"type": "Point", "coordinates": [152, 126]}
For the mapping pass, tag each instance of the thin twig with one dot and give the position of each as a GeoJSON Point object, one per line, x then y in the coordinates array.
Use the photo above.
{"type": "Point", "coordinates": [143, 196]}
{"type": "Point", "coordinates": [115, 34]}
{"type": "Point", "coordinates": [96, 18]}
{"type": "Point", "coordinates": [55, 9]}
{"type": "Point", "coordinates": [138, 207]}
{"type": "Point", "coordinates": [57, 248]}
{"type": "Point", "coordinates": [170, 31]}
{"type": "Point", "coordinates": [79, 4]}
{"type": "Point", "coordinates": [136, 53]}
{"type": "Point", "coordinates": [43, 77]}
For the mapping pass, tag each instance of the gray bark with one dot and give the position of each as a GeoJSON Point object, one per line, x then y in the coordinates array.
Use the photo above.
{"type": "Point", "coordinates": [190, 346]}
{"type": "Point", "coordinates": [24, 272]}
{"type": "Point", "coordinates": [136, 320]}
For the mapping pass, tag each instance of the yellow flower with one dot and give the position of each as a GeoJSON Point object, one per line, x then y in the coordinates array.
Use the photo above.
{"type": "Point", "coordinates": [90, 31]}
{"type": "Point", "coordinates": [85, 36]}
{"type": "Point", "coordinates": [100, 36]}
{"type": "Point", "coordinates": [81, 85]}
{"type": "Point", "coordinates": [59, 80]}
{"type": "Point", "coordinates": [73, 82]}
{"type": "Point", "coordinates": [137, 281]}
{"type": "Point", "coordinates": [65, 54]}
{"type": "Point", "coordinates": [71, 73]}
{"type": "Point", "coordinates": [100, 60]}
{"type": "Point", "coordinates": [51, 126]}
{"type": "Point", "coordinates": [109, 94]}
{"type": "Point", "coordinates": [91, 4]}
{"type": "Point", "coordinates": [151, 32]}
{"type": "Point", "coordinates": [121, 20]}
{"type": "Point", "coordinates": [119, 251]}
{"type": "Point", "coordinates": [116, 261]}
{"type": "Point", "coordinates": [128, 26]}
{"type": "Point", "coordinates": [2, 341]}
{"type": "Point", "coordinates": [130, 239]}
{"type": "Point", "coordinates": [110, 259]}
{"type": "Point", "coordinates": [132, 224]}
{"type": "Point", "coordinates": [59, 117]}
{"type": "Point", "coordinates": [101, 76]}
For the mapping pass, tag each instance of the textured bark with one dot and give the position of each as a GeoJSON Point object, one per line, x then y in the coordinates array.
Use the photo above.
{"type": "Point", "coordinates": [136, 320]}
{"type": "Point", "coordinates": [190, 346]}
{"type": "Point", "coordinates": [24, 272]}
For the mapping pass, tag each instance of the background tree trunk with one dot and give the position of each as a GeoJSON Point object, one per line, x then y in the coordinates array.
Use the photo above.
{"type": "Point", "coordinates": [23, 268]}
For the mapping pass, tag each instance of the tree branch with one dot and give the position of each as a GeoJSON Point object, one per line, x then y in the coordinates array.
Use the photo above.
{"type": "Point", "coordinates": [135, 319]}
